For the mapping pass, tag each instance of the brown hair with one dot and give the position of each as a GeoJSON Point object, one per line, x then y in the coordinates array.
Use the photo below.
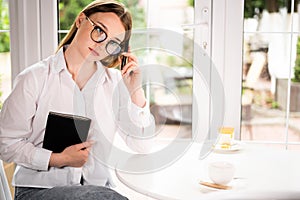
{"type": "Point", "coordinates": [104, 6]}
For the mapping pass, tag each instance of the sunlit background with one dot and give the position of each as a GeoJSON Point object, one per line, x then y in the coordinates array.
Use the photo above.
{"type": "Point", "coordinates": [270, 94]}
{"type": "Point", "coordinates": [271, 68]}
{"type": "Point", "coordinates": [270, 77]}
{"type": "Point", "coordinates": [169, 80]}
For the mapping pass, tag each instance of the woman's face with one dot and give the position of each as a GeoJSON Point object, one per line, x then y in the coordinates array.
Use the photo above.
{"type": "Point", "coordinates": [109, 22]}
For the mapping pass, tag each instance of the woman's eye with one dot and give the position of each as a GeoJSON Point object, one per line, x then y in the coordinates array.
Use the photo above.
{"type": "Point", "coordinates": [99, 30]}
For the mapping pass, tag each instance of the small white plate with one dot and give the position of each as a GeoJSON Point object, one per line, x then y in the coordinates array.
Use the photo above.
{"type": "Point", "coordinates": [236, 146]}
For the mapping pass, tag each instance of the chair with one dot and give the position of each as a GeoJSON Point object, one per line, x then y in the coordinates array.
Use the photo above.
{"type": "Point", "coordinates": [4, 187]}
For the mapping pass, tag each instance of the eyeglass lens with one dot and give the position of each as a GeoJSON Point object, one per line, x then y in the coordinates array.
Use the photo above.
{"type": "Point", "coordinates": [113, 48]}
{"type": "Point", "coordinates": [98, 35]}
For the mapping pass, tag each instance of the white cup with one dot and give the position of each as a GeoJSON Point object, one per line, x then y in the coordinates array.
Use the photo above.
{"type": "Point", "coordinates": [221, 172]}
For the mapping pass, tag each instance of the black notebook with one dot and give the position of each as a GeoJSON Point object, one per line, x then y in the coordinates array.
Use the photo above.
{"type": "Point", "coordinates": [63, 130]}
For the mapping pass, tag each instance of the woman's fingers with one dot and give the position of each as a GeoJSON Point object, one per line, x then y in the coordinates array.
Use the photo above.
{"type": "Point", "coordinates": [77, 155]}
{"type": "Point", "coordinates": [84, 145]}
{"type": "Point", "coordinates": [130, 56]}
{"type": "Point", "coordinates": [129, 67]}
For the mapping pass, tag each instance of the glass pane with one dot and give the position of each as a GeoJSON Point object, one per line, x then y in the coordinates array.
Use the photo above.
{"type": "Point", "coordinates": [137, 10]}
{"type": "Point", "coordinates": [61, 35]}
{"type": "Point", "coordinates": [4, 25]}
{"type": "Point", "coordinates": [168, 79]}
{"type": "Point", "coordinates": [68, 10]}
{"type": "Point", "coordinates": [266, 70]}
{"type": "Point", "coordinates": [269, 15]}
{"type": "Point", "coordinates": [168, 65]}
{"type": "Point", "coordinates": [170, 14]}
{"type": "Point", "coordinates": [294, 115]}
{"type": "Point", "coordinates": [270, 51]}
{"type": "Point", "coordinates": [5, 63]}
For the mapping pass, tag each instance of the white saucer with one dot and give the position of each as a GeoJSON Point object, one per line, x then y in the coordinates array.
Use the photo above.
{"type": "Point", "coordinates": [236, 146]}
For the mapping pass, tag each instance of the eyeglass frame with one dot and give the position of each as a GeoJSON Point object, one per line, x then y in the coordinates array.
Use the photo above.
{"type": "Point", "coordinates": [95, 27]}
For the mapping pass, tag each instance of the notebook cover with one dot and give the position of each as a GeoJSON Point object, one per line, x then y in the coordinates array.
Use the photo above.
{"type": "Point", "coordinates": [63, 130]}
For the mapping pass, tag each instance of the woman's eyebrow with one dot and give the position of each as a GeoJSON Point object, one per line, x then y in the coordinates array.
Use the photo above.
{"type": "Point", "coordinates": [102, 25]}
{"type": "Point", "coordinates": [118, 39]}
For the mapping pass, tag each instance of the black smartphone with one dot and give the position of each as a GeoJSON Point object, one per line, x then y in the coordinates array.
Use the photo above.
{"type": "Point", "coordinates": [124, 58]}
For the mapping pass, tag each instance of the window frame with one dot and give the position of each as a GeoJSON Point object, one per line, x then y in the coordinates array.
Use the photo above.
{"type": "Point", "coordinates": [228, 61]}
{"type": "Point", "coordinates": [33, 32]}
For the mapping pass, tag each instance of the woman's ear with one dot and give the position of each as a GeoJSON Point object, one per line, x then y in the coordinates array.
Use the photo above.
{"type": "Point", "coordinates": [79, 19]}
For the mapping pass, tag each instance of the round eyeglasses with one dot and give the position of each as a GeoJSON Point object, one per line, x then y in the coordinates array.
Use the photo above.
{"type": "Point", "coordinates": [98, 35]}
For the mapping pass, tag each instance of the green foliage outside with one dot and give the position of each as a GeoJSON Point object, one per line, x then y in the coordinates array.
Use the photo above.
{"type": "Point", "coordinates": [69, 9]}
{"type": "Point", "coordinates": [191, 3]}
{"type": "Point", "coordinates": [4, 36]}
{"type": "Point", "coordinates": [137, 12]}
{"type": "Point", "coordinates": [254, 8]}
{"type": "Point", "coordinates": [297, 64]}
{"type": "Point", "coordinates": [4, 25]}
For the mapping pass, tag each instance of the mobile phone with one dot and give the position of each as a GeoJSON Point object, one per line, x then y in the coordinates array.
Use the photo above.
{"type": "Point", "coordinates": [124, 58]}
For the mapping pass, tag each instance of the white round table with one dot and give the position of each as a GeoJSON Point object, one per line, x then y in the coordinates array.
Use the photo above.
{"type": "Point", "coordinates": [261, 173]}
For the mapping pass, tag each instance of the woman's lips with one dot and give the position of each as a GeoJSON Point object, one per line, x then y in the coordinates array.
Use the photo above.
{"type": "Point", "coordinates": [95, 53]}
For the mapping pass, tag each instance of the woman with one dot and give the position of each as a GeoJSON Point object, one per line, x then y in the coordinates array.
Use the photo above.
{"type": "Point", "coordinates": [79, 80]}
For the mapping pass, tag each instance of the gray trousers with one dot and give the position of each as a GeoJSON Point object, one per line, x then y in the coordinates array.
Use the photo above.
{"type": "Point", "coordinates": [84, 192]}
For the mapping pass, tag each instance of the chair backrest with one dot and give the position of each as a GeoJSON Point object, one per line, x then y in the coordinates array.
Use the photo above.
{"type": "Point", "coordinates": [4, 187]}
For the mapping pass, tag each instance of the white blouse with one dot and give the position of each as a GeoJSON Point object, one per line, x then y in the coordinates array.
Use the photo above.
{"type": "Point", "coordinates": [48, 86]}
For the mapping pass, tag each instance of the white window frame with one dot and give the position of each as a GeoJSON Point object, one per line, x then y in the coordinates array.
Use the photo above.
{"type": "Point", "coordinates": [227, 54]}
{"type": "Point", "coordinates": [224, 45]}
{"type": "Point", "coordinates": [33, 32]}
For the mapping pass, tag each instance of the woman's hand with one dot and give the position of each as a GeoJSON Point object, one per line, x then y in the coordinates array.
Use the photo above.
{"type": "Point", "coordinates": [132, 77]}
{"type": "Point", "coordinates": [72, 156]}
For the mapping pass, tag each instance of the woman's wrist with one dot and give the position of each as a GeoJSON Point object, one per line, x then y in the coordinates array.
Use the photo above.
{"type": "Point", "coordinates": [57, 160]}
{"type": "Point", "coordinates": [138, 98]}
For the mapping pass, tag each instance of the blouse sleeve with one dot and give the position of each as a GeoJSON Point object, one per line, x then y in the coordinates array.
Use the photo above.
{"type": "Point", "coordinates": [16, 125]}
{"type": "Point", "coordinates": [136, 124]}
